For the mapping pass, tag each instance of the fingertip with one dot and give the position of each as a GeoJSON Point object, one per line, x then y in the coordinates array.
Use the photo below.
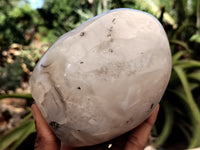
{"type": "Point", "coordinates": [154, 114]}
{"type": "Point", "coordinates": [46, 140]}
{"type": "Point", "coordinates": [157, 108]}
{"type": "Point", "coordinates": [40, 122]}
{"type": "Point", "coordinates": [34, 110]}
{"type": "Point", "coordinates": [139, 136]}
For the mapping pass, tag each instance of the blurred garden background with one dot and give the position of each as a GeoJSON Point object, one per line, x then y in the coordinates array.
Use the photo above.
{"type": "Point", "coordinates": [28, 28]}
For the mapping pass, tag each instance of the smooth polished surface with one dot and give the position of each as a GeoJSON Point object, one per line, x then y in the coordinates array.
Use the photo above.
{"type": "Point", "coordinates": [103, 78]}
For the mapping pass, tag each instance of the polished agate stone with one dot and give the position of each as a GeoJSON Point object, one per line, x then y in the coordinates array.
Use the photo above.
{"type": "Point", "coordinates": [103, 78]}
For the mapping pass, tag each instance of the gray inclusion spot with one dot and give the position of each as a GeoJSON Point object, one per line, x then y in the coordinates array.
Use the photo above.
{"type": "Point", "coordinates": [152, 106]}
{"type": "Point", "coordinates": [82, 33]}
{"type": "Point", "coordinates": [44, 66]}
{"type": "Point", "coordinates": [79, 88]}
{"type": "Point", "coordinates": [54, 125]}
{"type": "Point", "coordinates": [113, 21]}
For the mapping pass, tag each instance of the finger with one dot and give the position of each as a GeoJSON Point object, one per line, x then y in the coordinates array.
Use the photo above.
{"type": "Point", "coordinates": [139, 136]}
{"type": "Point", "coordinates": [120, 142]}
{"type": "Point", "coordinates": [46, 140]}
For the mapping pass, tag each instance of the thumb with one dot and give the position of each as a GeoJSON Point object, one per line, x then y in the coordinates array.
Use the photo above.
{"type": "Point", "coordinates": [46, 140]}
{"type": "Point", "coordinates": [139, 137]}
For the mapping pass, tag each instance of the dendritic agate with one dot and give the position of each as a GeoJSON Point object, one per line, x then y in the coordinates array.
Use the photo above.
{"type": "Point", "coordinates": [103, 78]}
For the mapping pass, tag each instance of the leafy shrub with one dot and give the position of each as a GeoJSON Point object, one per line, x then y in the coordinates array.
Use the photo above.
{"type": "Point", "coordinates": [17, 67]}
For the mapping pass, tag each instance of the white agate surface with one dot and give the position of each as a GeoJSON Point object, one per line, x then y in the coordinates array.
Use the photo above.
{"type": "Point", "coordinates": [103, 78]}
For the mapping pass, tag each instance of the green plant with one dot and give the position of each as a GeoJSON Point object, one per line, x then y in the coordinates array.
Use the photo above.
{"type": "Point", "coordinates": [16, 22]}
{"type": "Point", "coordinates": [180, 104]}
{"type": "Point", "coordinates": [13, 73]}
{"type": "Point", "coordinates": [183, 93]}
{"type": "Point", "coordinates": [16, 136]}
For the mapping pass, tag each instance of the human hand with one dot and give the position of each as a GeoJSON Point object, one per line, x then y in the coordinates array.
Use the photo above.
{"type": "Point", "coordinates": [133, 140]}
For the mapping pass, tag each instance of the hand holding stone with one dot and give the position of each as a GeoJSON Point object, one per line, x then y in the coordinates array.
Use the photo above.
{"type": "Point", "coordinates": [103, 78]}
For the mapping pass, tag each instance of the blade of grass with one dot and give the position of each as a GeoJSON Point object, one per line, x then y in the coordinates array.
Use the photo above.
{"type": "Point", "coordinates": [181, 28]}
{"type": "Point", "coordinates": [182, 44]}
{"type": "Point", "coordinates": [167, 125]}
{"type": "Point", "coordinates": [185, 132]}
{"type": "Point", "coordinates": [30, 128]}
{"type": "Point", "coordinates": [194, 76]}
{"type": "Point", "coordinates": [13, 135]}
{"type": "Point", "coordinates": [16, 95]}
{"type": "Point", "coordinates": [194, 111]}
{"type": "Point", "coordinates": [185, 127]}
{"type": "Point", "coordinates": [187, 63]}
{"type": "Point", "coordinates": [198, 17]}
{"type": "Point", "coordinates": [27, 117]}
{"type": "Point", "coordinates": [177, 56]}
